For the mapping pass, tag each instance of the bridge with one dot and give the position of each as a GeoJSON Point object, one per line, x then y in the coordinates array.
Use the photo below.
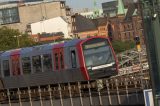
{"type": "Point", "coordinates": [124, 89]}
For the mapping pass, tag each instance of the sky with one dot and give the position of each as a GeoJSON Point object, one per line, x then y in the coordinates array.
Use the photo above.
{"type": "Point", "coordinates": [78, 4]}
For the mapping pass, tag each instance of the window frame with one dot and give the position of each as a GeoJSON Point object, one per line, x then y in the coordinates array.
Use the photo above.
{"type": "Point", "coordinates": [74, 65]}
{"type": "Point", "coordinates": [50, 55]}
{"type": "Point", "coordinates": [8, 68]}
{"type": "Point", "coordinates": [56, 61]}
{"type": "Point", "coordinates": [30, 65]}
{"type": "Point", "coordinates": [40, 64]}
{"type": "Point", "coordinates": [61, 59]}
{"type": "Point", "coordinates": [8, 16]}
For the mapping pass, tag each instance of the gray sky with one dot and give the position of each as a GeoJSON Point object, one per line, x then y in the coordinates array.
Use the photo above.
{"type": "Point", "coordinates": [78, 4]}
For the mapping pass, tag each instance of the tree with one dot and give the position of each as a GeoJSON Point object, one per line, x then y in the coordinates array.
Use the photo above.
{"type": "Point", "coordinates": [25, 40]}
{"type": "Point", "coordinates": [120, 46]}
{"type": "Point", "coordinates": [10, 37]}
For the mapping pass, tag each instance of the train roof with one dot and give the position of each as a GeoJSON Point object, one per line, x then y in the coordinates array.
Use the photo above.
{"type": "Point", "coordinates": [41, 48]}
{"type": "Point", "coordinates": [9, 52]}
{"type": "Point", "coordinates": [38, 48]}
{"type": "Point", "coordinates": [72, 42]}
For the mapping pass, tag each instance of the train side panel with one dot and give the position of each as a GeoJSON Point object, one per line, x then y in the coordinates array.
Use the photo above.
{"type": "Point", "coordinates": [36, 77]}
{"type": "Point", "coordinates": [40, 66]}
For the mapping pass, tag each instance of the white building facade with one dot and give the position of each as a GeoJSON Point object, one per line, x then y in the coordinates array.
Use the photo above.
{"type": "Point", "coordinates": [53, 25]}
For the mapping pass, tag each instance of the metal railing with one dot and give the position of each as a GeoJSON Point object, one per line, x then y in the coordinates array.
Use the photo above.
{"type": "Point", "coordinates": [117, 90]}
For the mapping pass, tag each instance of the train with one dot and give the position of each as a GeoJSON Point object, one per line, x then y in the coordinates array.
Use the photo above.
{"type": "Point", "coordinates": [70, 61]}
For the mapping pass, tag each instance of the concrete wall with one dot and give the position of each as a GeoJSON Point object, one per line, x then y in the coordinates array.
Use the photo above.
{"type": "Point", "coordinates": [57, 24]}
{"type": "Point", "coordinates": [30, 13]}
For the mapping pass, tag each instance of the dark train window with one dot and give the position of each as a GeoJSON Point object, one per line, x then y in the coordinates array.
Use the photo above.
{"type": "Point", "coordinates": [73, 59]}
{"type": "Point", "coordinates": [56, 61]}
{"type": "Point", "coordinates": [0, 67]}
{"type": "Point", "coordinates": [6, 69]}
{"type": "Point", "coordinates": [61, 60]}
{"type": "Point", "coordinates": [36, 61]}
{"type": "Point", "coordinates": [26, 65]}
{"type": "Point", "coordinates": [47, 62]}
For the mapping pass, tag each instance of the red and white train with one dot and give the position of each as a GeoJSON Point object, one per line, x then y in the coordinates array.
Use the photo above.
{"type": "Point", "coordinates": [75, 60]}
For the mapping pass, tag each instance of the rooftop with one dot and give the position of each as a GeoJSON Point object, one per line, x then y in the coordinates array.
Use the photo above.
{"type": "Point", "coordinates": [10, 4]}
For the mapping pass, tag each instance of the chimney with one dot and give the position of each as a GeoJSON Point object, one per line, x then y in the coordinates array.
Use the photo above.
{"type": "Point", "coordinates": [20, 2]}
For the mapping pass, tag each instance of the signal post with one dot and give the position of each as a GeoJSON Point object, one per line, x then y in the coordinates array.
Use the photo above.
{"type": "Point", "coordinates": [151, 19]}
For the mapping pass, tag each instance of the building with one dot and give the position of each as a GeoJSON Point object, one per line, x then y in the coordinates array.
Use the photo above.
{"type": "Point", "coordinates": [51, 26]}
{"type": "Point", "coordinates": [110, 8]}
{"type": "Point", "coordinates": [101, 24]}
{"type": "Point", "coordinates": [20, 15]}
{"type": "Point", "coordinates": [47, 37]}
{"type": "Point", "coordinates": [83, 27]}
{"type": "Point", "coordinates": [127, 23]}
{"type": "Point", "coordinates": [121, 23]}
{"type": "Point", "coordinates": [91, 14]}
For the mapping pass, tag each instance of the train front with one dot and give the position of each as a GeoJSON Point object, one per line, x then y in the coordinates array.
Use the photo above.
{"type": "Point", "coordinates": [99, 58]}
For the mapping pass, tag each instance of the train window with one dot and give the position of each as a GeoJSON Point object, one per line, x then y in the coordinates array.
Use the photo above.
{"type": "Point", "coordinates": [26, 65]}
{"type": "Point", "coordinates": [36, 61]}
{"type": "Point", "coordinates": [47, 62]}
{"type": "Point", "coordinates": [61, 60]}
{"type": "Point", "coordinates": [0, 67]}
{"type": "Point", "coordinates": [6, 69]}
{"type": "Point", "coordinates": [56, 61]}
{"type": "Point", "coordinates": [73, 59]}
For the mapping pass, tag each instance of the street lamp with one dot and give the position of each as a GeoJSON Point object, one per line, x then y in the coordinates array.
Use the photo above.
{"type": "Point", "coordinates": [17, 36]}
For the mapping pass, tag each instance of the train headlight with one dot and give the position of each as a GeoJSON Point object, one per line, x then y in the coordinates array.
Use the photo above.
{"type": "Point", "coordinates": [113, 69]}
{"type": "Point", "coordinates": [89, 68]}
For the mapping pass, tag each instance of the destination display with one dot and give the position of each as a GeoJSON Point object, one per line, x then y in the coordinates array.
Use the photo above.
{"type": "Point", "coordinates": [89, 46]}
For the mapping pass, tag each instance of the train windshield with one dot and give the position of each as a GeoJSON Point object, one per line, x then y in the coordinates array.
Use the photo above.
{"type": "Point", "coordinates": [97, 52]}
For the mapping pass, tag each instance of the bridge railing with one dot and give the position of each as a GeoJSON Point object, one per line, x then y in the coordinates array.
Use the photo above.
{"type": "Point", "coordinates": [117, 90]}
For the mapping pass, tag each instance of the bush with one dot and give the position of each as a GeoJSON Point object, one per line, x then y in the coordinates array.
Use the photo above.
{"type": "Point", "coordinates": [120, 46]}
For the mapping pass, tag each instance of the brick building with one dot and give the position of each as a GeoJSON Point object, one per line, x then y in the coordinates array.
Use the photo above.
{"type": "Point", "coordinates": [124, 25]}
{"type": "Point", "coordinates": [83, 27]}
{"type": "Point", "coordinates": [127, 23]}
{"type": "Point", "coordinates": [47, 37]}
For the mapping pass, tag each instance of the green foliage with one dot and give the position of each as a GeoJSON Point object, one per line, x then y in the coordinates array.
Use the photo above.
{"type": "Point", "coordinates": [120, 46]}
{"type": "Point", "coordinates": [9, 39]}
{"type": "Point", "coordinates": [25, 41]}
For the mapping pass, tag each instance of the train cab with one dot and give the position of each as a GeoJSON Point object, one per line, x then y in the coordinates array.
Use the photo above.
{"type": "Point", "coordinates": [98, 59]}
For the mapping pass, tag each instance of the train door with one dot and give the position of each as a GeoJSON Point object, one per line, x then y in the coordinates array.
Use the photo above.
{"type": "Point", "coordinates": [15, 64]}
{"type": "Point", "coordinates": [58, 59]}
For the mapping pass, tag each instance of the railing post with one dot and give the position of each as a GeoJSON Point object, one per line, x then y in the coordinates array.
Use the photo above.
{"type": "Point", "coordinates": [90, 94]}
{"type": "Point", "coordinates": [9, 98]}
{"type": "Point", "coordinates": [60, 94]}
{"type": "Point", "coordinates": [117, 89]}
{"type": "Point", "coordinates": [30, 98]}
{"type": "Point", "coordinates": [19, 96]}
{"type": "Point", "coordinates": [50, 95]}
{"type": "Point", "coordinates": [40, 95]}
{"type": "Point", "coordinates": [70, 94]}
{"type": "Point", "coordinates": [126, 86]}
{"type": "Point", "coordinates": [135, 85]}
{"type": "Point", "coordinates": [108, 91]}
{"type": "Point", "coordinates": [100, 86]}
{"type": "Point", "coordinates": [80, 94]}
